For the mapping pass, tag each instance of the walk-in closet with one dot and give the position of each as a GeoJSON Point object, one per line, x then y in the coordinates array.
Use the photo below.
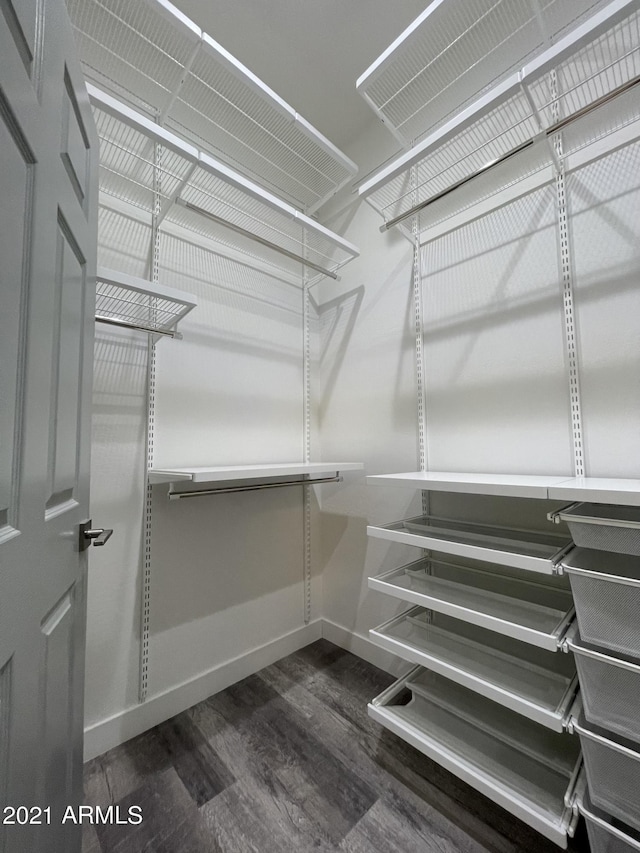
{"type": "Point", "coordinates": [320, 429]}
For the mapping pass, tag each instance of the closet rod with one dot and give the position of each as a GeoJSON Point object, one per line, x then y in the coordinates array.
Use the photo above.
{"type": "Point", "coordinates": [223, 490]}
{"type": "Point", "coordinates": [110, 321]}
{"type": "Point", "coordinates": [549, 131]}
{"type": "Point", "coordinates": [251, 236]}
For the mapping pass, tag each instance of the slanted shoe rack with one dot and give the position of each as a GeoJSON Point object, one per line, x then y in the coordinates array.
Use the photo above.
{"type": "Point", "coordinates": [492, 697]}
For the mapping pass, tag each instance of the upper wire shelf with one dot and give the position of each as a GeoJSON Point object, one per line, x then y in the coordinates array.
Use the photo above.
{"type": "Point", "coordinates": [141, 163]}
{"type": "Point", "coordinates": [583, 86]}
{"type": "Point", "coordinates": [456, 50]}
{"type": "Point", "coordinates": [134, 303]}
{"type": "Point", "coordinates": [150, 55]}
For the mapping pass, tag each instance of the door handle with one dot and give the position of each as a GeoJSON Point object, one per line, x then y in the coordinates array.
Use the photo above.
{"type": "Point", "coordinates": [89, 534]}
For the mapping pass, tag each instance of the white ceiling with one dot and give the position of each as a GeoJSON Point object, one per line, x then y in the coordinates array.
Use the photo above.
{"type": "Point", "coordinates": [311, 52]}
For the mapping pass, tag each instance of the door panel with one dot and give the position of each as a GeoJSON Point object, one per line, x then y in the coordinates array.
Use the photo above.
{"type": "Point", "coordinates": [15, 214]}
{"type": "Point", "coordinates": [75, 141]}
{"type": "Point", "coordinates": [66, 372]}
{"type": "Point", "coordinates": [48, 177]}
{"type": "Point", "coordinates": [20, 18]}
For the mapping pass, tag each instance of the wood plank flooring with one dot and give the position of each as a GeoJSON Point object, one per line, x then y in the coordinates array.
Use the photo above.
{"type": "Point", "coordinates": [288, 760]}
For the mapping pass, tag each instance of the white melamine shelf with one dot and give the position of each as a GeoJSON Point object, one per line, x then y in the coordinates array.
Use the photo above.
{"type": "Point", "coordinates": [205, 196]}
{"type": "Point", "coordinates": [522, 549]}
{"type": "Point", "coordinates": [227, 473]}
{"type": "Point", "coordinates": [154, 57]}
{"type": "Point", "coordinates": [527, 769]}
{"type": "Point", "coordinates": [516, 119]}
{"type": "Point", "coordinates": [537, 683]}
{"type": "Point", "coordinates": [508, 485]}
{"type": "Point", "coordinates": [588, 489]}
{"type": "Point", "coordinates": [135, 303]}
{"type": "Point", "coordinates": [534, 611]}
{"type": "Point", "coordinates": [598, 490]}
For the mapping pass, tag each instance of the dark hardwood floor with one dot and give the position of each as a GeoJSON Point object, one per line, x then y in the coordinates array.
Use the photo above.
{"type": "Point", "coordinates": [288, 760]}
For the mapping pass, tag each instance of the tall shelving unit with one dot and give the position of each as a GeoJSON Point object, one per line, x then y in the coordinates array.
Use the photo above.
{"type": "Point", "coordinates": [489, 104]}
{"type": "Point", "coordinates": [194, 145]}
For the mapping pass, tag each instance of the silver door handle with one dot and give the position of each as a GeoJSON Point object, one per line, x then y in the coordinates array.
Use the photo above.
{"type": "Point", "coordinates": [99, 535]}
{"type": "Point", "coordinates": [89, 534]}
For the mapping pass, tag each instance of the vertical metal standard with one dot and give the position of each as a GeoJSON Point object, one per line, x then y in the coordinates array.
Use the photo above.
{"type": "Point", "coordinates": [145, 598]}
{"type": "Point", "coordinates": [567, 296]}
{"type": "Point", "coordinates": [306, 382]}
{"type": "Point", "coordinates": [416, 275]}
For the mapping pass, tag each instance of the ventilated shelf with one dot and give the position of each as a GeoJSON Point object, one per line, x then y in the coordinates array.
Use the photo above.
{"type": "Point", "coordinates": [584, 85]}
{"type": "Point", "coordinates": [505, 546]}
{"type": "Point", "coordinates": [454, 51]}
{"type": "Point", "coordinates": [533, 611]}
{"type": "Point", "coordinates": [134, 303]}
{"type": "Point", "coordinates": [152, 169]}
{"type": "Point", "coordinates": [524, 767]}
{"type": "Point", "coordinates": [150, 55]}
{"type": "Point", "coordinates": [539, 684]}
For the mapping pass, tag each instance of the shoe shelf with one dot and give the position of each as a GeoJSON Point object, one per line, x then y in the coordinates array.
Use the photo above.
{"type": "Point", "coordinates": [522, 549]}
{"type": "Point", "coordinates": [537, 683]}
{"type": "Point", "coordinates": [537, 611]}
{"type": "Point", "coordinates": [526, 768]}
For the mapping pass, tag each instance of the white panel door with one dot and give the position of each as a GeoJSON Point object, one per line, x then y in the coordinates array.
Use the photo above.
{"type": "Point", "coordinates": [48, 203]}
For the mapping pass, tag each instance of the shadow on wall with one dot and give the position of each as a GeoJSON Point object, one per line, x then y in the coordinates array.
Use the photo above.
{"type": "Point", "coordinates": [217, 552]}
{"type": "Point", "coordinates": [117, 500]}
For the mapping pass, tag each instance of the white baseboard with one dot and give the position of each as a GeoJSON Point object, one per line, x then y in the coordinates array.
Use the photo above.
{"type": "Point", "coordinates": [362, 647]}
{"type": "Point", "coordinates": [113, 731]}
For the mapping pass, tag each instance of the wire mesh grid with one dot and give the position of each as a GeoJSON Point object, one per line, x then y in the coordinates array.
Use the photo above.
{"type": "Point", "coordinates": [593, 71]}
{"type": "Point", "coordinates": [130, 49]}
{"type": "Point", "coordinates": [457, 52]}
{"type": "Point", "coordinates": [612, 773]}
{"type": "Point", "coordinates": [494, 134]}
{"type": "Point", "coordinates": [129, 172]}
{"type": "Point", "coordinates": [137, 308]}
{"type": "Point", "coordinates": [219, 112]}
{"type": "Point", "coordinates": [589, 74]}
{"type": "Point", "coordinates": [127, 167]}
{"type": "Point", "coordinates": [146, 56]}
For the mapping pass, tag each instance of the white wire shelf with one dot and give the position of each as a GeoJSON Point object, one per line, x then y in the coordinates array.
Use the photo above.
{"type": "Point", "coordinates": [456, 50]}
{"type": "Point", "coordinates": [150, 55]}
{"type": "Point", "coordinates": [133, 303]}
{"type": "Point", "coordinates": [583, 86]}
{"type": "Point", "coordinates": [140, 160]}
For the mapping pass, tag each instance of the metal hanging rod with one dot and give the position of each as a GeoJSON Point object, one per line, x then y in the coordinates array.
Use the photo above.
{"type": "Point", "coordinates": [224, 490]}
{"type": "Point", "coordinates": [547, 132]}
{"type": "Point", "coordinates": [111, 321]}
{"type": "Point", "coordinates": [256, 239]}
